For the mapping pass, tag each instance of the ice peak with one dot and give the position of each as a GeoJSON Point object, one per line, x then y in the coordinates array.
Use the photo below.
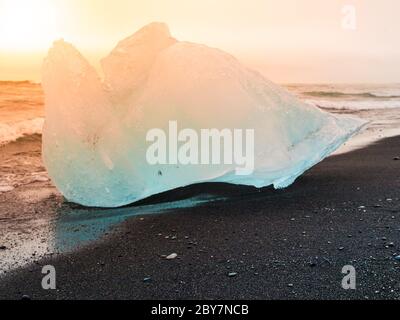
{"type": "Point", "coordinates": [153, 29]}
{"type": "Point", "coordinates": [128, 65]}
{"type": "Point", "coordinates": [61, 44]}
{"type": "Point", "coordinates": [64, 56]}
{"type": "Point", "coordinates": [60, 41]}
{"type": "Point", "coordinates": [153, 32]}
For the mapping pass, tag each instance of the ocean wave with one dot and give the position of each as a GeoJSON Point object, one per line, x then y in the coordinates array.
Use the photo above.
{"type": "Point", "coordinates": [389, 91]}
{"type": "Point", "coordinates": [338, 94]}
{"type": "Point", "coordinates": [354, 105]}
{"type": "Point", "coordinates": [12, 131]}
{"type": "Point", "coordinates": [16, 83]}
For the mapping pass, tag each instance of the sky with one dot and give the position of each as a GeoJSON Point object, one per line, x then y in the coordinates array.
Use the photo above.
{"type": "Point", "coordinates": [289, 41]}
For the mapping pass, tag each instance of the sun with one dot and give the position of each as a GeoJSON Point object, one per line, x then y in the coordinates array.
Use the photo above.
{"type": "Point", "coordinates": [27, 25]}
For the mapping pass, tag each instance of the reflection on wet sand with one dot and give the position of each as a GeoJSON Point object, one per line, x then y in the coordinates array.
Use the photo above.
{"type": "Point", "coordinates": [77, 227]}
{"type": "Point", "coordinates": [28, 238]}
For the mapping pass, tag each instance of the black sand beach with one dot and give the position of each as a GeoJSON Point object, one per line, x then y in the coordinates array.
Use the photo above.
{"type": "Point", "coordinates": [286, 244]}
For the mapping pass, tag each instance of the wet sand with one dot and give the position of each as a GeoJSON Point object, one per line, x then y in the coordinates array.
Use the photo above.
{"type": "Point", "coordinates": [287, 244]}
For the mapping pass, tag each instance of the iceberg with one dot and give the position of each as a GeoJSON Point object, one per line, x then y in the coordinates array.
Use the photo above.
{"type": "Point", "coordinates": [95, 136]}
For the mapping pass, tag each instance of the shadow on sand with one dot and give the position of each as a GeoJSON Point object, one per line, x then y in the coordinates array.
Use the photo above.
{"type": "Point", "coordinates": [76, 226]}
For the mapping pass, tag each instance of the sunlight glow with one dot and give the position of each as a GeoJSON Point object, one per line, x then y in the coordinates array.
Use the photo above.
{"type": "Point", "coordinates": [27, 24]}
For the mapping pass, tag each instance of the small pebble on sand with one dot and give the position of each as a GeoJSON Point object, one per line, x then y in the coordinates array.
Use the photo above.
{"type": "Point", "coordinates": [172, 256]}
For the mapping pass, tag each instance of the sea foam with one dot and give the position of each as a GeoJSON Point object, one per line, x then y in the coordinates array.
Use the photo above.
{"type": "Point", "coordinates": [12, 131]}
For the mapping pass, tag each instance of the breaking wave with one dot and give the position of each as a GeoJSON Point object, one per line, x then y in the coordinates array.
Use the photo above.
{"type": "Point", "coordinates": [14, 131]}
{"type": "Point", "coordinates": [337, 94]}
